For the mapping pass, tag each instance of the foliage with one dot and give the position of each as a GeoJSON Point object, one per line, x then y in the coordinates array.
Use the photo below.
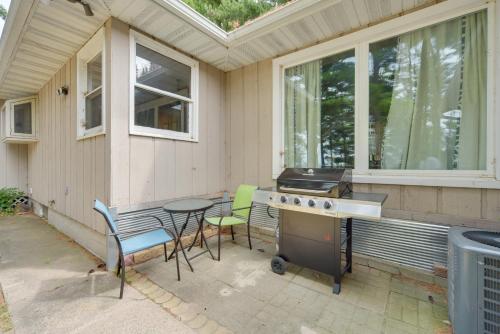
{"type": "Point", "coordinates": [231, 14]}
{"type": "Point", "coordinates": [8, 197]}
{"type": "Point", "coordinates": [3, 12]}
{"type": "Point", "coordinates": [337, 110]}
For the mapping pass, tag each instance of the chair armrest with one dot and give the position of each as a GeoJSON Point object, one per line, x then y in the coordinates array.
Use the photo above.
{"type": "Point", "coordinates": [143, 230]}
{"type": "Point", "coordinates": [245, 208]}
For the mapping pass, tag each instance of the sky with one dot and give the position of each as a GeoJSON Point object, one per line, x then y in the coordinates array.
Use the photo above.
{"type": "Point", "coordinates": [6, 4]}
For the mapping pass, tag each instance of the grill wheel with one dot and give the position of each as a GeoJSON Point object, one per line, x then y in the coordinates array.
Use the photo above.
{"type": "Point", "coordinates": [278, 265]}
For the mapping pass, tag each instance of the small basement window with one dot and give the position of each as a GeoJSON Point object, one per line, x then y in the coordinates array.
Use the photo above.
{"type": "Point", "coordinates": [18, 120]}
{"type": "Point", "coordinates": [90, 89]}
{"type": "Point", "coordinates": [164, 90]}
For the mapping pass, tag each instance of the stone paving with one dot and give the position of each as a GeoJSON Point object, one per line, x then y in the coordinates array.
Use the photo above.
{"type": "Point", "coordinates": [241, 294]}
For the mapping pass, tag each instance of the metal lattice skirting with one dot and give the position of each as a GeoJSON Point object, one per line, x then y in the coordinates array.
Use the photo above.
{"type": "Point", "coordinates": [414, 244]}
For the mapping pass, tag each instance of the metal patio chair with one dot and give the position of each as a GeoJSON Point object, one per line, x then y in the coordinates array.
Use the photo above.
{"type": "Point", "coordinates": [240, 213]}
{"type": "Point", "coordinates": [141, 239]}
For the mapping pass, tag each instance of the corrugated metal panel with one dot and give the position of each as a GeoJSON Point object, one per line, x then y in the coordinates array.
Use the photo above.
{"type": "Point", "coordinates": [408, 243]}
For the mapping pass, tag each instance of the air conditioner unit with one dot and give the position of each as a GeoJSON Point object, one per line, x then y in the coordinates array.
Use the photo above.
{"type": "Point", "coordinates": [474, 280]}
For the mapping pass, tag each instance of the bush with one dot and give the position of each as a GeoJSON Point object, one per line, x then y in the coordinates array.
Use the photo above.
{"type": "Point", "coordinates": [8, 197]}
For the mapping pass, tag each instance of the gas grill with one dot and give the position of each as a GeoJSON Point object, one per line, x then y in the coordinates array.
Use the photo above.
{"type": "Point", "coordinates": [312, 204]}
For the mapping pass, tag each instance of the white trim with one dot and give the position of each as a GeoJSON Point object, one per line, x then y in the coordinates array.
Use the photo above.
{"type": "Point", "coordinates": [8, 134]}
{"type": "Point", "coordinates": [360, 40]}
{"type": "Point", "coordinates": [91, 49]}
{"type": "Point", "coordinates": [193, 118]}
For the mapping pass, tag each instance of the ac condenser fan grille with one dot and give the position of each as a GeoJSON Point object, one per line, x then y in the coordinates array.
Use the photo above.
{"type": "Point", "coordinates": [491, 295]}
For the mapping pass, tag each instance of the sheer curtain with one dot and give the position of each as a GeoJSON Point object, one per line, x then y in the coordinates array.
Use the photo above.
{"type": "Point", "coordinates": [302, 115]}
{"type": "Point", "coordinates": [438, 107]}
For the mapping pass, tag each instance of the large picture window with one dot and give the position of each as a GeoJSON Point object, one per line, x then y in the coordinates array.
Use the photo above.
{"type": "Point", "coordinates": [414, 103]}
{"type": "Point", "coordinates": [319, 112]}
{"type": "Point", "coordinates": [164, 91]}
{"type": "Point", "coordinates": [428, 97]}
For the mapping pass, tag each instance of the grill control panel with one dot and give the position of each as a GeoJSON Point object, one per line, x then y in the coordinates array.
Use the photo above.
{"type": "Point", "coordinates": [310, 204]}
{"type": "Point", "coordinates": [364, 206]}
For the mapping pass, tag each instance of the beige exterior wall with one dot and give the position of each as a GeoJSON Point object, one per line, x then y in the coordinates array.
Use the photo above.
{"type": "Point", "coordinates": [249, 125]}
{"type": "Point", "coordinates": [66, 174]}
{"type": "Point", "coordinates": [147, 169]}
{"type": "Point", "coordinates": [249, 151]}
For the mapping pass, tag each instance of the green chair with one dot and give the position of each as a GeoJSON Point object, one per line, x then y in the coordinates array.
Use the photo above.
{"type": "Point", "coordinates": [240, 213]}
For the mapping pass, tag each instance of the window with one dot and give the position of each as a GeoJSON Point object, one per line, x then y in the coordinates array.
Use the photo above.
{"type": "Point", "coordinates": [319, 113]}
{"type": "Point", "coordinates": [392, 104]}
{"type": "Point", "coordinates": [428, 97]}
{"type": "Point", "coordinates": [18, 120]}
{"type": "Point", "coordinates": [163, 91]}
{"type": "Point", "coordinates": [90, 87]}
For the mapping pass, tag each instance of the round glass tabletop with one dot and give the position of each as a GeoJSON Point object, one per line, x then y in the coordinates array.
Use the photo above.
{"type": "Point", "coordinates": [188, 205]}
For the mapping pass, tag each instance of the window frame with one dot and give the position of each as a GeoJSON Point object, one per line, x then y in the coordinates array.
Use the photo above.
{"type": "Point", "coordinates": [193, 117]}
{"type": "Point", "coordinates": [11, 104]}
{"type": "Point", "coordinates": [86, 54]}
{"type": "Point", "coordinates": [360, 42]}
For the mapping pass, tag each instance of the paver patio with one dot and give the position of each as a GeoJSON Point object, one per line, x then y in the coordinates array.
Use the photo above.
{"type": "Point", "coordinates": [52, 285]}
{"type": "Point", "coordinates": [243, 294]}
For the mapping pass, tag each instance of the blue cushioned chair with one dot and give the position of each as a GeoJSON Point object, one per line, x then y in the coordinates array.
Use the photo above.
{"type": "Point", "coordinates": [143, 239]}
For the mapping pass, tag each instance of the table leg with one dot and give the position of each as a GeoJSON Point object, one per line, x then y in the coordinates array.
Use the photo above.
{"type": "Point", "coordinates": [203, 239]}
{"type": "Point", "coordinates": [196, 235]}
{"type": "Point", "coordinates": [178, 241]}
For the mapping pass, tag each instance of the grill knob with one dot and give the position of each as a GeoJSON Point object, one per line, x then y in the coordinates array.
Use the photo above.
{"type": "Point", "coordinates": [296, 201]}
{"type": "Point", "coordinates": [283, 199]}
{"type": "Point", "coordinates": [311, 203]}
{"type": "Point", "coordinates": [327, 205]}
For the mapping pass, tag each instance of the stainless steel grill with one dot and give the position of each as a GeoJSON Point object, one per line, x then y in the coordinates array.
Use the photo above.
{"type": "Point", "coordinates": [312, 204]}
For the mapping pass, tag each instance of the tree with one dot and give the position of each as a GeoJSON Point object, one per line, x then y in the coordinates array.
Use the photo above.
{"type": "Point", "coordinates": [3, 12]}
{"type": "Point", "coordinates": [231, 14]}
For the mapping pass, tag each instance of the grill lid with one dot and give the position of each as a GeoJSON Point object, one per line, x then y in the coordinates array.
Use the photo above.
{"type": "Point", "coordinates": [316, 181]}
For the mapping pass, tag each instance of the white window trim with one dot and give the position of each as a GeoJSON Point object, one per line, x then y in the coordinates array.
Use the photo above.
{"type": "Point", "coordinates": [10, 116]}
{"type": "Point", "coordinates": [192, 134]}
{"type": "Point", "coordinates": [7, 131]}
{"type": "Point", "coordinates": [360, 41]}
{"type": "Point", "coordinates": [93, 47]}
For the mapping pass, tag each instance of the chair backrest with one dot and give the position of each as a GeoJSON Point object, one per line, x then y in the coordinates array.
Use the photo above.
{"type": "Point", "coordinates": [243, 199]}
{"type": "Point", "coordinates": [103, 209]}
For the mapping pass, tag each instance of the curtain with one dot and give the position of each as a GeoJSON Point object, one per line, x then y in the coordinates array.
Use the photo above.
{"type": "Point", "coordinates": [302, 115]}
{"type": "Point", "coordinates": [438, 107]}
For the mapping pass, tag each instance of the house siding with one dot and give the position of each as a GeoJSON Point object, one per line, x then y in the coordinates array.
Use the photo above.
{"type": "Point", "coordinates": [249, 152]}
{"type": "Point", "coordinates": [147, 169]}
{"type": "Point", "coordinates": [66, 174]}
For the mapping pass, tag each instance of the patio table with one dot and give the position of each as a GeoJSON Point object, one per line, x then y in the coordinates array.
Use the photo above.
{"type": "Point", "coordinates": [190, 206]}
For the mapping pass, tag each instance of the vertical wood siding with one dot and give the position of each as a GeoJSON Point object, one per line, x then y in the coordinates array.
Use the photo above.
{"type": "Point", "coordinates": [147, 169]}
{"type": "Point", "coordinates": [249, 125]}
{"type": "Point", "coordinates": [64, 173]}
{"type": "Point", "coordinates": [14, 166]}
{"type": "Point", "coordinates": [249, 160]}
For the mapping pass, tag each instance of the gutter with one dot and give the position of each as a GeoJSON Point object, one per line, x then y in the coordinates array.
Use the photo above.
{"type": "Point", "coordinates": [295, 10]}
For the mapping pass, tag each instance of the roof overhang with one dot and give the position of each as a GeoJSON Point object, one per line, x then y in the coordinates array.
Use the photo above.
{"type": "Point", "coordinates": [40, 36]}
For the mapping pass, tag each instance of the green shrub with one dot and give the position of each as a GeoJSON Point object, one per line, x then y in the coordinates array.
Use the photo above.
{"type": "Point", "coordinates": [8, 197]}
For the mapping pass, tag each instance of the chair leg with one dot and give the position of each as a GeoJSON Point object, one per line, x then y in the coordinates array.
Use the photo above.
{"type": "Point", "coordinates": [123, 276]}
{"type": "Point", "coordinates": [177, 264]}
{"type": "Point", "coordinates": [218, 243]}
{"type": "Point", "coordinates": [248, 233]}
{"type": "Point", "coordinates": [165, 251]}
{"type": "Point", "coordinates": [119, 268]}
{"type": "Point", "coordinates": [232, 232]}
